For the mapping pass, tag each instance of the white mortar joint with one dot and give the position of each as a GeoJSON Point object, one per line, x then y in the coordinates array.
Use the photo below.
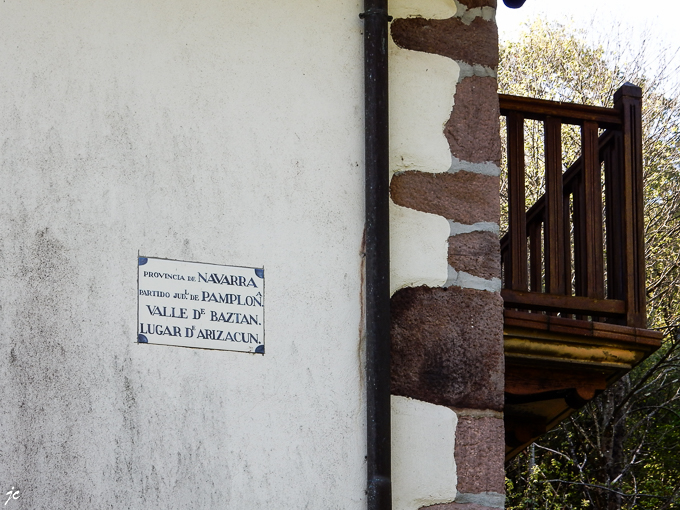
{"type": "Point", "coordinates": [488, 499]}
{"type": "Point", "coordinates": [482, 226]}
{"type": "Point", "coordinates": [477, 413]}
{"type": "Point", "coordinates": [469, 70]}
{"type": "Point", "coordinates": [468, 281]}
{"type": "Point", "coordinates": [485, 168]}
{"type": "Point", "coordinates": [467, 15]}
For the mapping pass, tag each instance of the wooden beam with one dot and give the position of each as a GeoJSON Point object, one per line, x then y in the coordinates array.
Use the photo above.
{"type": "Point", "coordinates": [560, 303]}
{"type": "Point", "coordinates": [523, 380]}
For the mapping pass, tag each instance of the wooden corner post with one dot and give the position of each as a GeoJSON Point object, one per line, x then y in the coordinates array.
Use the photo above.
{"type": "Point", "coordinates": [628, 101]}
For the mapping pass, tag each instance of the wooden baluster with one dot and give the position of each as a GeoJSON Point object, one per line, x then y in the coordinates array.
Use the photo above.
{"type": "Point", "coordinates": [628, 100]}
{"type": "Point", "coordinates": [566, 225]}
{"type": "Point", "coordinates": [555, 267]}
{"type": "Point", "coordinates": [517, 274]}
{"type": "Point", "coordinates": [592, 209]}
{"type": "Point", "coordinates": [578, 221]}
{"type": "Point", "coordinates": [535, 258]}
{"type": "Point", "coordinates": [614, 204]}
{"type": "Point", "coordinates": [505, 262]}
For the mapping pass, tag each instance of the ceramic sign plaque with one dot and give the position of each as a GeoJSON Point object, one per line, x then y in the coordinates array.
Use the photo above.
{"type": "Point", "coordinates": [207, 306]}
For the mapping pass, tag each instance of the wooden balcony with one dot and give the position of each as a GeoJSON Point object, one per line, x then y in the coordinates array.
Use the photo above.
{"type": "Point", "coordinates": [573, 263]}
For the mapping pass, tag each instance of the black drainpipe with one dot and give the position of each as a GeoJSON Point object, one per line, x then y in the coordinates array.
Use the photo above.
{"type": "Point", "coordinates": [377, 256]}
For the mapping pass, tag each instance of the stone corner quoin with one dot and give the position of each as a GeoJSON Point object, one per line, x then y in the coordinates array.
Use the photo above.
{"type": "Point", "coordinates": [447, 346]}
{"type": "Point", "coordinates": [447, 343]}
{"type": "Point", "coordinates": [474, 43]}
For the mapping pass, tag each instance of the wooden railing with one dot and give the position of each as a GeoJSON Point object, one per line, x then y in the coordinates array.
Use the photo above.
{"type": "Point", "coordinates": [555, 258]}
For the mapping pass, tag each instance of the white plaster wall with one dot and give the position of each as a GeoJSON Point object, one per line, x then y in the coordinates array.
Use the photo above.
{"type": "Point", "coordinates": [423, 463]}
{"type": "Point", "coordinates": [221, 131]}
{"type": "Point", "coordinates": [431, 9]}
{"type": "Point", "coordinates": [418, 248]}
{"type": "Point", "coordinates": [422, 86]}
{"type": "Point", "coordinates": [422, 89]}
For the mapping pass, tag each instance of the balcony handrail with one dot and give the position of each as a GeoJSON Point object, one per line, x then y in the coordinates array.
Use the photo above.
{"type": "Point", "coordinates": [608, 283]}
{"type": "Point", "coordinates": [569, 113]}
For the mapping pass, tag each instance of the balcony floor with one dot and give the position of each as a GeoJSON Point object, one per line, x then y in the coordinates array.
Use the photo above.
{"type": "Point", "coordinates": [555, 365]}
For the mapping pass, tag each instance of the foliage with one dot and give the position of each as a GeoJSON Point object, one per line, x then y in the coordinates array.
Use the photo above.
{"type": "Point", "coordinates": [623, 449]}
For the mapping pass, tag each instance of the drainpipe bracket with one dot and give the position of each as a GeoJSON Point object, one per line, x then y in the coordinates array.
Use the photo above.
{"type": "Point", "coordinates": [376, 12]}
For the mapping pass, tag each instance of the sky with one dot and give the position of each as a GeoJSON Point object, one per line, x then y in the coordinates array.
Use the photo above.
{"type": "Point", "coordinates": [658, 19]}
{"type": "Point", "coordinates": [659, 16]}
